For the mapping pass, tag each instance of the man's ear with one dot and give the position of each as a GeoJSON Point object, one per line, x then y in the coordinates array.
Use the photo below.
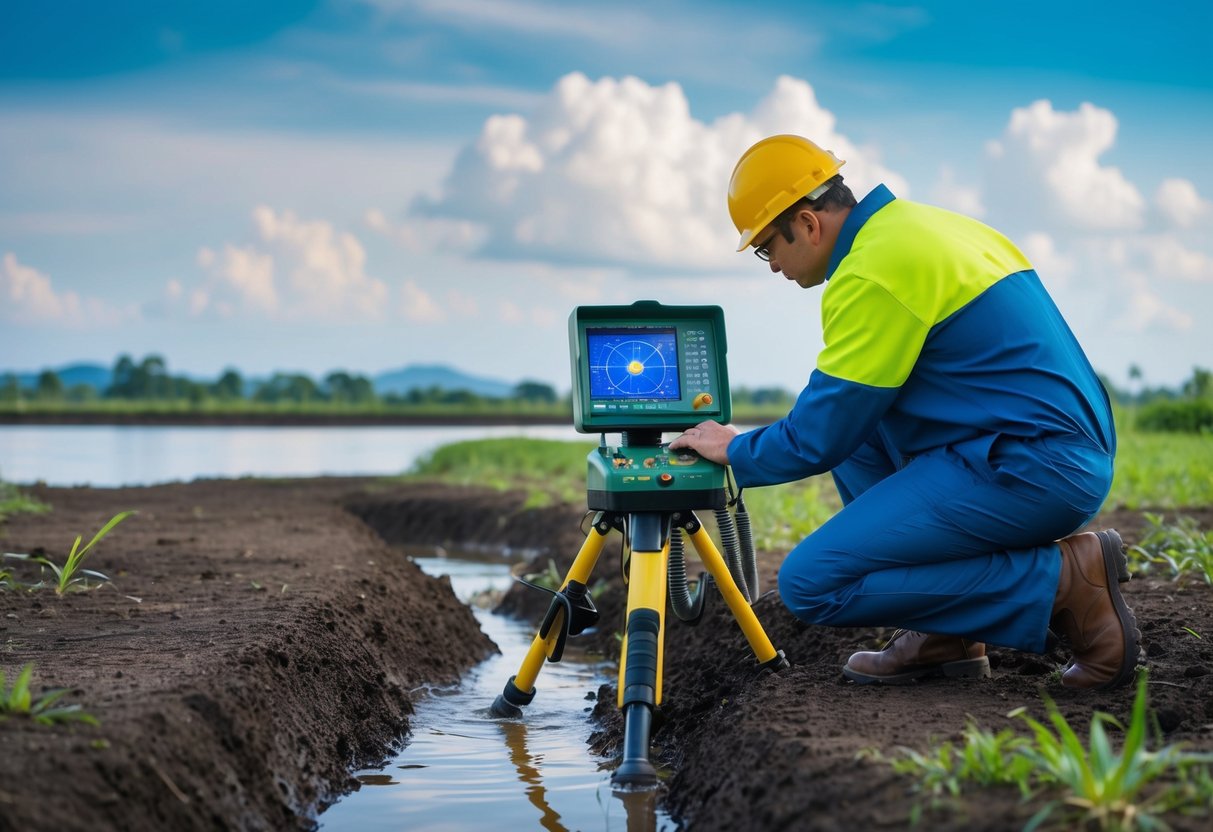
{"type": "Point", "coordinates": [812, 223]}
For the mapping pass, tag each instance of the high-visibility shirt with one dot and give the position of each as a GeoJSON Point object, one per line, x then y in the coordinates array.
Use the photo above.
{"type": "Point", "coordinates": [937, 332]}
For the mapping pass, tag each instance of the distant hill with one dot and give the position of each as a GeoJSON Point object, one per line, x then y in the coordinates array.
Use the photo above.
{"type": "Point", "coordinates": [425, 376]}
{"type": "Point", "coordinates": [93, 375]}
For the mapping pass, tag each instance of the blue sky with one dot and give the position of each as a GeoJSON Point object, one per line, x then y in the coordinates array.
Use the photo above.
{"type": "Point", "coordinates": [364, 184]}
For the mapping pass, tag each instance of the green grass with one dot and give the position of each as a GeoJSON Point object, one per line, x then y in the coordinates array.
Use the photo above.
{"type": "Point", "coordinates": [783, 515]}
{"type": "Point", "coordinates": [1088, 786]}
{"type": "Point", "coordinates": [13, 501]}
{"type": "Point", "coordinates": [1162, 470]}
{"type": "Point", "coordinates": [19, 700]}
{"type": "Point", "coordinates": [546, 470]}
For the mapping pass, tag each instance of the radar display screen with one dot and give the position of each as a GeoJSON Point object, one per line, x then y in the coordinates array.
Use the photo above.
{"type": "Point", "coordinates": [633, 363]}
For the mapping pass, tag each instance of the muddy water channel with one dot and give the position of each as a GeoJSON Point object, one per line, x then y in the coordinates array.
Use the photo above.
{"type": "Point", "coordinates": [462, 769]}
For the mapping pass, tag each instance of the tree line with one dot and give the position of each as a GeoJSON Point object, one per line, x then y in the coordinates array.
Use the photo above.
{"type": "Point", "coordinates": [149, 380]}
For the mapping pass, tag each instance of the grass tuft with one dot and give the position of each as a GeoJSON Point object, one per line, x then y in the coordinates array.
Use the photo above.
{"type": "Point", "coordinates": [14, 501]}
{"type": "Point", "coordinates": [18, 700]}
{"type": "Point", "coordinates": [1182, 546]}
{"type": "Point", "coordinates": [1090, 787]}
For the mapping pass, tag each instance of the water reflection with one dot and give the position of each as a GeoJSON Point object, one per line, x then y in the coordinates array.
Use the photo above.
{"type": "Point", "coordinates": [639, 807]}
{"type": "Point", "coordinates": [528, 773]}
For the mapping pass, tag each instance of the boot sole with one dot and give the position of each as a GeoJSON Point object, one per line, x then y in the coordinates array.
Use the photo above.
{"type": "Point", "coordinates": [964, 669]}
{"type": "Point", "coordinates": [1116, 564]}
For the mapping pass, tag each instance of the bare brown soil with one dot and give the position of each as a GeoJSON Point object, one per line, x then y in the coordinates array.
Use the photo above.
{"type": "Point", "coordinates": [278, 643]}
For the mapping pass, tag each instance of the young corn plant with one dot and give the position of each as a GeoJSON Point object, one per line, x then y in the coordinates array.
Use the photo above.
{"type": "Point", "coordinates": [71, 576]}
{"type": "Point", "coordinates": [1109, 790]}
{"type": "Point", "coordinates": [19, 700]}
{"type": "Point", "coordinates": [1183, 546]}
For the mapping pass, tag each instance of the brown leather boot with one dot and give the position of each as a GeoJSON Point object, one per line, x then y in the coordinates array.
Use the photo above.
{"type": "Point", "coordinates": [1092, 614]}
{"type": "Point", "coordinates": [909, 655]}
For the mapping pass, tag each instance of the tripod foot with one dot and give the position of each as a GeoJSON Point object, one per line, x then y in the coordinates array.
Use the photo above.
{"type": "Point", "coordinates": [509, 702]}
{"type": "Point", "coordinates": [635, 774]}
{"type": "Point", "coordinates": [636, 771]}
{"type": "Point", "coordinates": [778, 663]}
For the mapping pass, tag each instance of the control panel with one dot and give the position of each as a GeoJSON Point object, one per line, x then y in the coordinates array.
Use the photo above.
{"type": "Point", "coordinates": [653, 478]}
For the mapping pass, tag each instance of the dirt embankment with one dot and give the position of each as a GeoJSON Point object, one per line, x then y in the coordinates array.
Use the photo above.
{"type": "Point", "coordinates": [258, 643]}
{"type": "Point", "coordinates": [278, 639]}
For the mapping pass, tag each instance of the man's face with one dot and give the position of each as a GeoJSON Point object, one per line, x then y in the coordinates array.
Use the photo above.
{"type": "Point", "coordinates": [801, 259]}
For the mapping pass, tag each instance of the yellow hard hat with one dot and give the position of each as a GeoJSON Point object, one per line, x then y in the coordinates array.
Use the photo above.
{"type": "Point", "coordinates": [772, 175]}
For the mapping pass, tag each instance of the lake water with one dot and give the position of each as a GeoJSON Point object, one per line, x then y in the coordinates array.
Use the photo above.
{"type": "Point", "coordinates": [122, 455]}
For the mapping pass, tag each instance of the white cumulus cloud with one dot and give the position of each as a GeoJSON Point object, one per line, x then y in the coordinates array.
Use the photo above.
{"type": "Point", "coordinates": [29, 296]}
{"type": "Point", "coordinates": [1178, 201]}
{"type": "Point", "coordinates": [618, 171]}
{"type": "Point", "coordinates": [1049, 161]}
{"type": "Point", "coordinates": [295, 269]}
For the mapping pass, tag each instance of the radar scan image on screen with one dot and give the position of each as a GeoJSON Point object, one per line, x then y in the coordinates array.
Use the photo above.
{"type": "Point", "coordinates": [633, 363]}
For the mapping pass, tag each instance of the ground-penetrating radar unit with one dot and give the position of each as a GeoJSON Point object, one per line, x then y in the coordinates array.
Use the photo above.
{"type": "Point", "coordinates": [638, 371]}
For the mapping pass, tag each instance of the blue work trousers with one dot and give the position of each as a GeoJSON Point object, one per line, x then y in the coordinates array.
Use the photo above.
{"type": "Point", "coordinates": [959, 540]}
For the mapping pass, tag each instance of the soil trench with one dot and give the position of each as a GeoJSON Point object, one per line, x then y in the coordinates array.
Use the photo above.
{"type": "Point", "coordinates": [260, 641]}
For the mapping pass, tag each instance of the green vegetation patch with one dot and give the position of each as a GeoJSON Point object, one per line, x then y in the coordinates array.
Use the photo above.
{"type": "Point", "coordinates": [1162, 470]}
{"type": "Point", "coordinates": [547, 470]}
{"type": "Point", "coordinates": [1088, 786]}
{"type": "Point", "coordinates": [13, 501]}
{"type": "Point", "coordinates": [1182, 546]}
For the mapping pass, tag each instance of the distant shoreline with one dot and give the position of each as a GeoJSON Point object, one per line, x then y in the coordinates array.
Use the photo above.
{"type": "Point", "coordinates": [280, 419]}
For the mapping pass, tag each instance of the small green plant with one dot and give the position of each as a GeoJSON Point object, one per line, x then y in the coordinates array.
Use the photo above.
{"type": "Point", "coordinates": [19, 700]}
{"type": "Point", "coordinates": [1115, 791]}
{"type": "Point", "coordinates": [1090, 787]}
{"type": "Point", "coordinates": [71, 576]}
{"type": "Point", "coordinates": [1183, 546]}
{"type": "Point", "coordinates": [983, 757]}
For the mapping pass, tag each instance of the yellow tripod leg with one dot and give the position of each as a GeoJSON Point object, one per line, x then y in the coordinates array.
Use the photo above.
{"type": "Point", "coordinates": [520, 689]}
{"type": "Point", "coordinates": [712, 560]}
{"type": "Point", "coordinates": [641, 659]}
{"type": "Point", "coordinates": [647, 577]}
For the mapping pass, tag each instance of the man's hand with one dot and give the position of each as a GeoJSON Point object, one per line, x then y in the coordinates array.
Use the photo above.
{"type": "Point", "coordinates": [708, 439]}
